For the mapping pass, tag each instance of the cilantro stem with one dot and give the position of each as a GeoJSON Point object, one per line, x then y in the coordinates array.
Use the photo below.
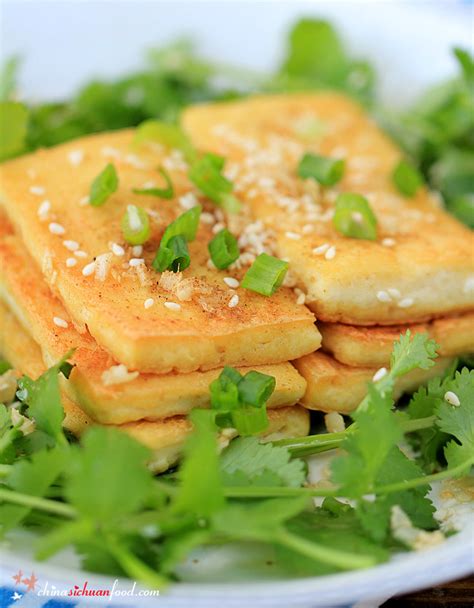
{"type": "Point", "coordinates": [427, 479]}
{"type": "Point", "coordinates": [36, 502]}
{"type": "Point", "coordinates": [133, 566]}
{"type": "Point", "coordinates": [270, 491]}
{"type": "Point", "coordinates": [323, 442]}
{"type": "Point", "coordinates": [320, 553]}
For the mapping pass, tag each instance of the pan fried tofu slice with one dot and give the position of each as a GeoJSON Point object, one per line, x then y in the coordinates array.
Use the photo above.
{"type": "Point", "coordinates": [148, 321]}
{"type": "Point", "coordinates": [165, 438]}
{"type": "Point", "coordinates": [421, 253]}
{"type": "Point", "coordinates": [335, 387]}
{"type": "Point", "coordinates": [105, 390]}
{"type": "Point", "coordinates": [372, 346]}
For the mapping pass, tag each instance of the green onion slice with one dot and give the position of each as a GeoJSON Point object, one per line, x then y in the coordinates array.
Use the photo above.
{"type": "Point", "coordinates": [206, 174]}
{"type": "Point", "coordinates": [354, 217]}
{"type": "Point", "coordinates": [265, 275]}
{"type": "Point", "coordinates": [240, 401]}
{"type": "Point", "coordinates": [185, 226]}
{"type": "Point", "coordinates": [167, 192]}
{"type": "Point", "coordinates": [135, 225]}
{"type": "Point", "coordinates": [173, 256]}
{"type": "Point", "coordinates": [407, 179]}
{"type": "Point", "coordinates": [326, 171]}
{"type": "Point", "coordinates": [167, 134]}
{"type": "Point", "coordinates": [223, 249]}
{"type": "Point", "coordinates": [256, 388]}
{"type": "Point", "coordinates": [105, 184]}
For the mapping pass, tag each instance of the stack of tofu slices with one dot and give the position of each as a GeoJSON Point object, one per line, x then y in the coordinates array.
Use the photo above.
{"type": "Point", "coordinates": [148, 344]}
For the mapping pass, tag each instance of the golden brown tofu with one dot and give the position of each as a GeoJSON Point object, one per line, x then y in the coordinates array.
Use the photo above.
{"type": "Point", "coordinates": [422, 263]}
{"type": "Point", "coordinates": [106, 392]}
{"type": "Point", "coordinates": [335, 387]}
{"type": "Point", "coordinates": [187, 323]}
{"type": "Point", "coordinates": [165, 438]}
{"type": "Point", "coordinates": [372, 346]}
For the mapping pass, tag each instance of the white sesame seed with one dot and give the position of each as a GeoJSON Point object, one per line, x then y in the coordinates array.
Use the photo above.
{"type": "Point", "coordinates": [56, 228]}
{"type": "Point", "coordinates": [37, 190]}
{"type": "Point", "coordinates": [307, 229]}
{"type": "Point", "coordinates": [173, 305]}
{"type": "Point", "coordinates": [148, 303]}
{"type": "Point", "coordinates": [80, 254]}
{"type": "Point", "coordinates": [379, 374]}
{"type": "Point", "coordinates": [394, 292]}
{"type": "Point", "coordinates": [60, 322]}
{"type": "Point", "coordinates": [88, 270]}
{"type": "Point", "coordinates": [136, 262]}
{"type": "Point", "coordinates": [207, 218]}
{"type": "Point", "coordinates": [218, 227]}
{"type": "Point", "coordinates": [75, 157]}
{"type": "Point", "coordinates": [44, 209]}
{"type": "Point", "coordinates": [233, 301]}
{"type": "Point", "coordinates": [71, 245]}
{"type": "Point", "coordinates": [469, 285]}
{"type": "Point", "coordinates": [406, 302]}
{"type": "Point", "coordinates": [321, 249]}
{"type": "Point", "coordinates": [301, 299]}
{"type": "Point", "coordinates": [84, 201]}
{"type": "Point", "coordinates": [70, 262]}
{"type": "Point", "coordinates": [117, 250]}
{"type": "Point", "coordinates": [452, 398]}
{"type": "Point", "coordinates": [102, 264]}
{"type": "Point", "coordinates": [188, 200]}
{"type": "Point", "coordinates": [388, 242]}
{"type": "Point", "coordinates": [231, 282]}
{"type": "Point", "coordinates": [137, 250]}
{"type": "Point", "coordinates": [294, 236]}
{"type": "Point", "coordinates": [382, 296]}
{"type": "Point", "coordinates": [330, 253]}
{"type": "Point", "coordinates": [334, 422]}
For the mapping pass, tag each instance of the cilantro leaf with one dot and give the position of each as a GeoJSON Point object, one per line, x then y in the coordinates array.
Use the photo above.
{"type": "Point", "coordinates": [9, 434]}
{"type": "Point", "coordinates": [108, 478]}
{"type": "Point", "coordinates": [246, 461]}
{"type": "Point", "coordinates": [33, 477]}
{"type": "Point", "coordinates": [201, 490]}
{"type": "Point", "coordinates": [44, 399]}
{"type": "Point", "coordinates": [412, 352]}
{"type": "Point", "coordinates": [458, 421]}
{"type": "Point", "coordinates": [375, 434]}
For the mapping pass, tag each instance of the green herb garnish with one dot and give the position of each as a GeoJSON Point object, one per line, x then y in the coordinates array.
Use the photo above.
{"type": "Point", "coordinates": [105, 184]}
{"type": "Point", "coordinates": [354, 218]}
{"type": "Point", "coordinates": [223, 249]}
{"type": "Point", "coordinates": [206, 174]}
{"type": "Point", "coordinates": [407, 179]}
{"type": "Point", "coordinates": [135, 225]}
{"type": "Point", "coordinates": [173, 254]}
{"type": "Point", "coordinates": [265, 275]}
{"type": "Point", "coordinates": [166, 193]}
{"type": "Point", "coordinates": [326, 171]}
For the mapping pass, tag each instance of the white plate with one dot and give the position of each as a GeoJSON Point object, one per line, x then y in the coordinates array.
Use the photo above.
{"type": "Point", "coordinates": [65, 43]}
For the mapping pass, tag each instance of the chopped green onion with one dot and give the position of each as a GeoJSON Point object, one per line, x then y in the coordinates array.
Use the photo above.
{"type": "Point", "coordinates": [105, 184]}
{"type": "Point", "coordinates": [185, 226]}
{"type": "Point", "coordinates": [250, 420]}
{"type": "Point", "coordinates": [173, 256]}
{"type": "Point", "coordinates": [223, 249]}
{"type": "Point", "coordinates": [224, 391]}
{"type": "Point", "coordinates": [326, 171]}
{"type": "Point", "coordinates": [407, 178]}
{"type": "Point", "coordinates": [167, 192]}
{"type": "Point", "coordinates": [354, 217]}
{"type": "Point", "coordinates": [135, 225]}
{"type": "Point", "coordinates": [256, 388]}
{"type": "Point", "coordinates": [241, 400]}
{"type": "Point", "coordinates": [167, 134]}
{"type": "Point", "coordinates": [265, 275]}
{"type": "Point", "coordinates": [206, 174]}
